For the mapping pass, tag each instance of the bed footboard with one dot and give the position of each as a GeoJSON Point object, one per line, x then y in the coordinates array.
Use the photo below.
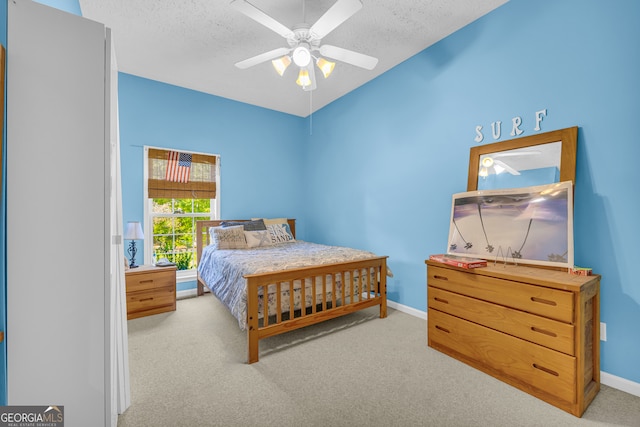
{"type": "Point", "coordinates": [363, 285]}
{"type": "Point", "coordinates": [334, 290]}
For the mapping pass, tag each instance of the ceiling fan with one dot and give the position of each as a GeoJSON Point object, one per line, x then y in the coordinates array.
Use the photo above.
{"type": "Point", "coordinates": [489, 162]}
{"type": "Point", "coordinates": [304, 42]}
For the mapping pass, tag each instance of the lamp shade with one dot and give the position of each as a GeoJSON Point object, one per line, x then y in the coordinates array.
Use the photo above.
{"type": "Point", "coordinates": [325, 66]}
{"type": "Point", "coordinates": [133, 231]}
{"type": "Point", "coordinates": [303, 78]}
{"type": "Point", "coordinates": [281, 64]}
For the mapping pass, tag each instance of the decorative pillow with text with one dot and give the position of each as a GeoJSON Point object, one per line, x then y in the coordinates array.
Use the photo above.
{"type": "Point", "coordinates": [228, 237]}
{"type": "Point", "coordinates": [280, 233]}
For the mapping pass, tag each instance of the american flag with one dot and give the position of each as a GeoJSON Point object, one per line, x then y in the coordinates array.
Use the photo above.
{"type": "Point", "coordinates": [178, 167]}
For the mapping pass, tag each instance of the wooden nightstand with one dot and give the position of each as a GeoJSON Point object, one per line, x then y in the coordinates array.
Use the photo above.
{"type": "Point", "coordinates": [150, 290]}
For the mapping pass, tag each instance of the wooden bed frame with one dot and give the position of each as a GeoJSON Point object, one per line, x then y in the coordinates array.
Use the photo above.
{"type": "Point", "coordinates": [364, 292]}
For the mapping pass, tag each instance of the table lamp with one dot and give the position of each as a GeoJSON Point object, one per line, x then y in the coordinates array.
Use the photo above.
{"type": "Point", "coordinates": [133, 233]}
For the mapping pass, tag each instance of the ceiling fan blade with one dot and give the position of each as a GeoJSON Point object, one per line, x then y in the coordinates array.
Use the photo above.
{"type": "Point", "coordinates": [336, 15]}
{"type": "Point", "coordinates": [350, 57]}
{"type": "Point", "coordinates": [508, 168]}
{"type": "Point", "coordinates": [263, 57]}
{"type": "Point", "coordinates": [260, 17]}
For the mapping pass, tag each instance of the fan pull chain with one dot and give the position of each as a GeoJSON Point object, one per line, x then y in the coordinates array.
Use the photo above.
{"type": "Point", "coordinates": [310, 112]}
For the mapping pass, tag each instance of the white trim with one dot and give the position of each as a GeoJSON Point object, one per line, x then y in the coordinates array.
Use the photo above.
{"type": "Point", "coordinates": [407, 309]}
{"type": "Point", "coordinates": [610, 380]}
{"type": "Point", "coordinates": [187, 293]}
{"type": "Point", "coordinates": [620, 383]}
{"type": "Point", "coordinates": [183, 276]}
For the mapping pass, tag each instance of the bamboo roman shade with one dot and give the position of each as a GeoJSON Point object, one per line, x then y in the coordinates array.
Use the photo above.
{"type": "Point", "coordinates": [200, 182]}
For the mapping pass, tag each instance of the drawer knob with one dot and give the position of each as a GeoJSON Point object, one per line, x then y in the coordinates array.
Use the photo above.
{"type": "Point", "coordinates": [146, 299]}
{"type": "Point", "coordinates": [146, 281]}
{"type": "Point", "coordinates": [440, 277]}
{"type": "Point", "coordinates": [440, 328]}
{"type": "Point", "coordinates": [444, 301]}
{"type": "Point", "coordinates": [547, 370]}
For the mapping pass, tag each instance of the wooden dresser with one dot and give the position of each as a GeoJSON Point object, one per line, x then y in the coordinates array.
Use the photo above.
{"type": "Point", "coordinates": [534, 328]}
{"type": "Point", "coordinates": [150, 290]}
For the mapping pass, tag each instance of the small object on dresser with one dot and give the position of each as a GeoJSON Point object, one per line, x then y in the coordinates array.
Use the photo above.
{"type": "Point", "coordinates": [459, 261]}
{"type": "Point", "coordinates": [580, 271]}
{"type": "Point", "coordinates": [163, 262]}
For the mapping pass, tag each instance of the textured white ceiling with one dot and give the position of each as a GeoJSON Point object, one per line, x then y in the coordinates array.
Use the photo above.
{"type": "Point", "coordinates": [195, 43]}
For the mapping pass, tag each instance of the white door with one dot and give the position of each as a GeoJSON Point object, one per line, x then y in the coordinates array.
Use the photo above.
{"type": "Point", "coordinates": [58, 227]}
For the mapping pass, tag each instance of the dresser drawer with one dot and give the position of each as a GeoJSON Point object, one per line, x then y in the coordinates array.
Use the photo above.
{"type": "Point", "coordinates": [552, 303]}
{"type": "Point", "coordinates": [540, 330]}
{"type": "Point", "coordinates": [527, 364]}
{"type": "Point", "coordinates": [150, 280]}
{"type": "Point", "coordinates": [148, 300]}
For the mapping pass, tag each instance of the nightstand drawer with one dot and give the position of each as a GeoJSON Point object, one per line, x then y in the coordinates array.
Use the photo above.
{"type": "Point", "coordinates": [540, 330]}
{"type": "Point", "coordinates": [150, 290]}
{"type": "Point", "coordinates": [552, 303]}
{"type": "Point", "coordinates": [147, 300]}
{"type": "Point", "coordinates": [150, 280]}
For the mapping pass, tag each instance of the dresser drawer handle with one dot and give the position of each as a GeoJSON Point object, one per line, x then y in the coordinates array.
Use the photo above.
{"type": "Point", "coordinates": [544, 331]}
{"type": "Point", "coordinates": [146, 299]}
{"type": "Point", "coordinates": [440, 277]}
{"type": "Point", "coordinates": [543, 301]}
{"type": "Point", "coordinates": [547, 370]}
{"type": "Point", "coordinates": [444, 301]}
{"type": "Point", "coordinates": [440, 328]}
{"type": "Point", "coordinates": [146, 281]}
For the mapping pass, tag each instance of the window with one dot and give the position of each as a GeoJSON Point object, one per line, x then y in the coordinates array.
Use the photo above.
{"type": "Point", "coordinates": [181, 189]}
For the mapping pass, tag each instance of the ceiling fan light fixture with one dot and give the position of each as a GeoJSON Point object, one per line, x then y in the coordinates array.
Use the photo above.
{"type": "Point", "coordinates": [325, 66]}
{"type": "Point", "coordinates": [487, 162]}
{"type": "Point", "coordinates": [281, 64]}
{"type": "Point", "coordinates": [301, 56]}
{"type": "Point", "coordinates": [304, 79]}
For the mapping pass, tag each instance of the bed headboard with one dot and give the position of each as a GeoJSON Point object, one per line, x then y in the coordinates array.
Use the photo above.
{"type": "Point", "coordinates": [203, 238]}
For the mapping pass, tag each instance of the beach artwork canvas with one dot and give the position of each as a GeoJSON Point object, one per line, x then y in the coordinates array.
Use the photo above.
{"type": "Point", "coordinates": [529, 225]}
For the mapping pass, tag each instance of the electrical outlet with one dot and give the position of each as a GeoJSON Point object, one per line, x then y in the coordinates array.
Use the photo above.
{"type": "Point", "coordinates": [603, 331]}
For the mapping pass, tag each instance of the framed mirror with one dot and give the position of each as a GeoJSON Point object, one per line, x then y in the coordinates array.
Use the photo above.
{"type": "Point", "coordinates": [543, 158]}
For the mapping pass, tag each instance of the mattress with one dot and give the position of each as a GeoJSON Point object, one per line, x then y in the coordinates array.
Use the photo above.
{"type": "Point", "coordinates": [223, 273]}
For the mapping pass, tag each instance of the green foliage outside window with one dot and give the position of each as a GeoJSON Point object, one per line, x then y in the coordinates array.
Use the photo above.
{"type": "Point", "coordinates": [174, 228]}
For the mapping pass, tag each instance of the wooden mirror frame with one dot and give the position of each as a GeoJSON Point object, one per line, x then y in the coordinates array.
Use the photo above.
{"type": "Point", "coordinates": [568, 137]}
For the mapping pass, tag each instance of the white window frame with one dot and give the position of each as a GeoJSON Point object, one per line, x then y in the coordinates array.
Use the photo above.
{"type": "Point", "coordinates": [182, 275]}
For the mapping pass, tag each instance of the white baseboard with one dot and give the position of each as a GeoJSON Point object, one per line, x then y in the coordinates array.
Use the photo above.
{"type": "Point", "coordinates": [619, 383]}
{"type": "Point", "coordinates": [188, 293]}
{"type": "Point", "coordinates": [407, 309]}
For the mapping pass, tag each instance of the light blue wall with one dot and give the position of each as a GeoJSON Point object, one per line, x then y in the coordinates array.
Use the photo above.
{"type": "Point", "coordinates": [260, 149]}
{"type": "Point", "coordinates": [399, 146]}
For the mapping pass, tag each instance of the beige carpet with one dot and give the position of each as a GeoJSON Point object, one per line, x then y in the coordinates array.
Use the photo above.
{"type": "Point", "coordinates": [188, 369]}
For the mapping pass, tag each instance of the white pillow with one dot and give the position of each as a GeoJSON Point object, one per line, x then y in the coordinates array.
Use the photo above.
{"type": "Point", "coordinates": [280, 233]}
{"type": "Point", "coordinates": [228, 237]}
{"type": "Point", "coordinates": [258, 238]}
